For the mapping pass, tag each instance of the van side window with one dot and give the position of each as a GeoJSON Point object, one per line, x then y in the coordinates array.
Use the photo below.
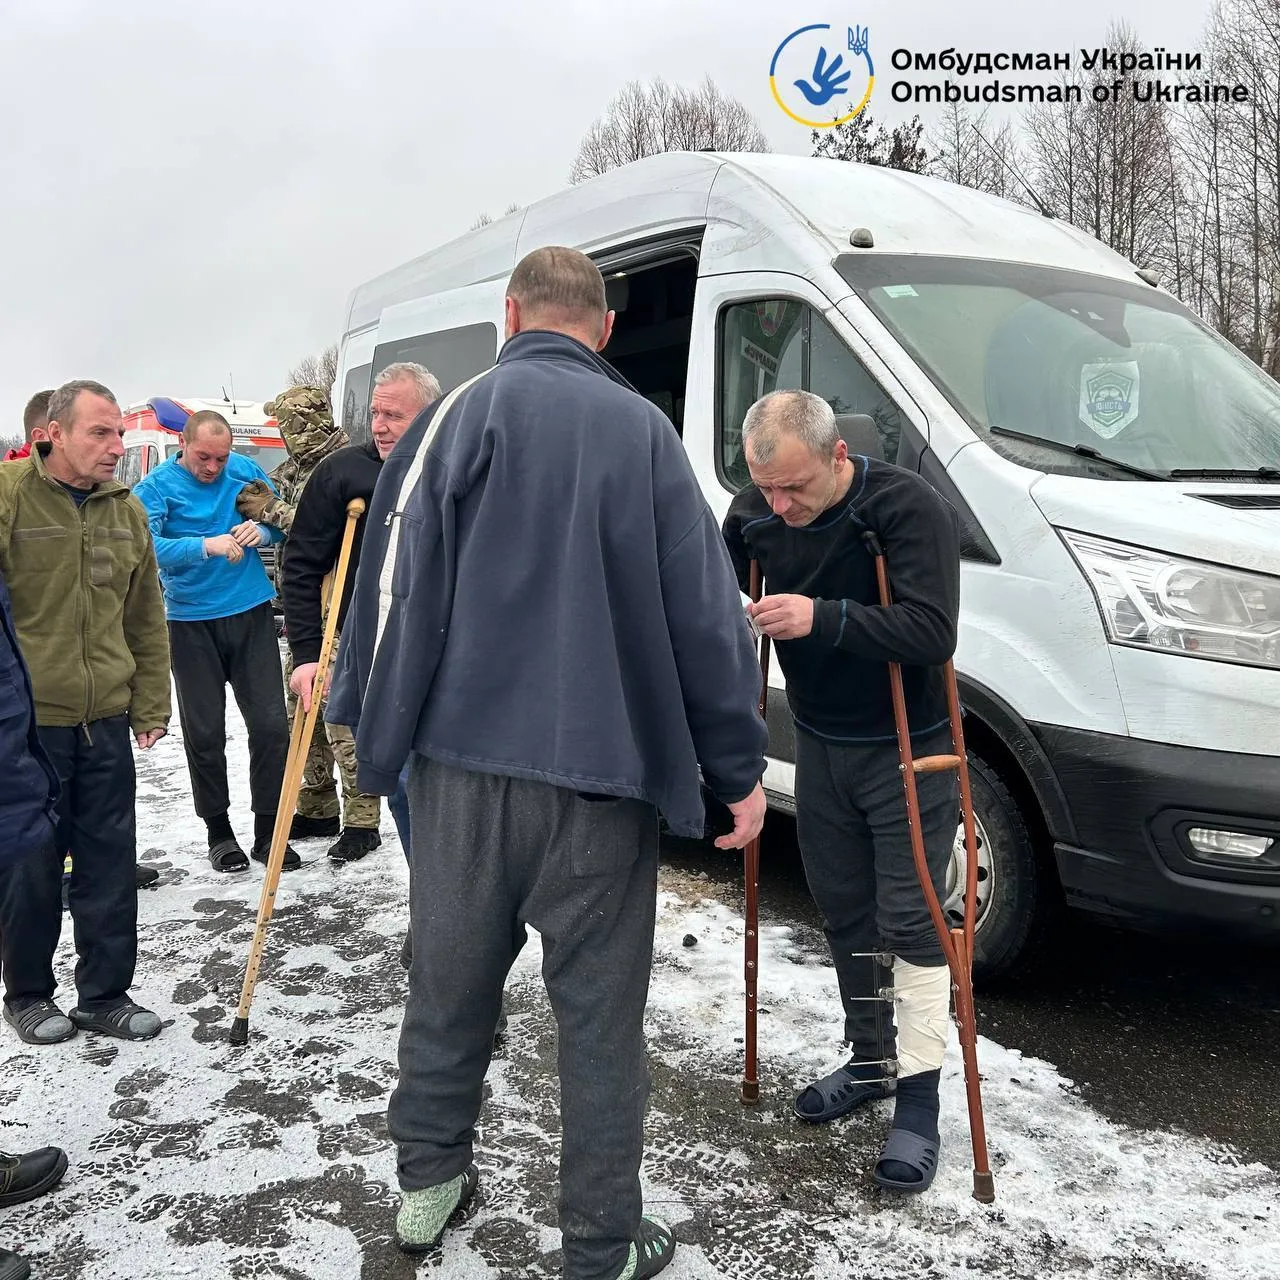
{"type": "Point", "coordinates": [453, 355]}
{"type": "Point", "coordinates": [129, 468]}
{"type": "Point", "coordinates": [776, 344]}
{"type": "Point", "coordinates": [355, 404]}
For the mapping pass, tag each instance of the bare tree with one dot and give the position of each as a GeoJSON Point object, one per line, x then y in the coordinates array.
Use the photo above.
{"type": "Point", "coordinates": [316, 371]}
{"type": "Point", "coordinates": [859, 140]}
{"type": "Point", "coordinates": [971, 151]}
{"type": "Point", "coordinates": [647, 120]}
{"type": "Point", "coordinates": [10, 442]}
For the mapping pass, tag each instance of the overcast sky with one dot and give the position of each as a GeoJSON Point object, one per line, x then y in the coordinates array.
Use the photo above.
{"type": "Point", "coordinates": [191, 189]}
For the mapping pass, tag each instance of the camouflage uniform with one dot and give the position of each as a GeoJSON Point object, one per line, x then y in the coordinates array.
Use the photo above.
{"type": "Point", "coordinates": [310, 434]}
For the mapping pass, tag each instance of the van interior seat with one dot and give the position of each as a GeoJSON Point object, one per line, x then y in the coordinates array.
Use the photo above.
{"type": "Point", "coordinates": [858, 431]}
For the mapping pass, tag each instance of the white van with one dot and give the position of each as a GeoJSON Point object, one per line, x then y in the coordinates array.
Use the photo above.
{"type": "Point", "coordinates": [1114, 462]}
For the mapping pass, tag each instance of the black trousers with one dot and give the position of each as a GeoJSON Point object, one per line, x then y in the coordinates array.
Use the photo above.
{"type": "Point", "coordinates": [96, 826]}
{"type": "Point", "coordinates": [207, 656]}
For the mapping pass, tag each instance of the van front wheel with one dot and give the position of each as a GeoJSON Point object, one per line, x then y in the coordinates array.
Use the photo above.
{"type": "Point", "coordinates": [1010, 894]}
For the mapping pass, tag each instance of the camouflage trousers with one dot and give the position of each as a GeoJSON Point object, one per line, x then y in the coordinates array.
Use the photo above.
{"type": "Point", "coordinates": [331, 744]}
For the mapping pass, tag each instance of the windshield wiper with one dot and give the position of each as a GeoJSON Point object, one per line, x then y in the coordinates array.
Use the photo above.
{"type": "Point", "coordinates": [1081, 451]}
{"type": "Point", "coordinates": [1225, 473]}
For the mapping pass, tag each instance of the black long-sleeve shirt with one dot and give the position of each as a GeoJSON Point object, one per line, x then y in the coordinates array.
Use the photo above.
{"type": "Point", "coordinates": [314, 541]}
{"type": "Point", "coordinates": [837, 676]}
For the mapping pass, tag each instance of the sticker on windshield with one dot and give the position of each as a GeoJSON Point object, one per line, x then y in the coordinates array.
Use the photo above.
{"type": "Point", "coordinates": [1109, 396]}
{"type": "Point", "coordinates": [900, 291]}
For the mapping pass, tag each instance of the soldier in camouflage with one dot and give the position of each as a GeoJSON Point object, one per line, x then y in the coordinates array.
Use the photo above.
{"type": "Point", "coordinates": [311, 435]}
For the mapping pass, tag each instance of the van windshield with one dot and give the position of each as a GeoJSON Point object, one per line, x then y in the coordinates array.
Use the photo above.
{"type": "Point", "coordinates": [1078, 359]}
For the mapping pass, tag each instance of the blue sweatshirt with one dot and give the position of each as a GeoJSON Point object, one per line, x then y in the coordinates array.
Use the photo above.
{"type": "Point", "coordinates": [183, 512]}
{"type": "Point", "coordinates": [544, 593]}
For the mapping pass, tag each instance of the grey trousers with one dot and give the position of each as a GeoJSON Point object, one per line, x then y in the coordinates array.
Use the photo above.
{"type": "Point", "coordinates": [851, 825]}
{"type": "Point", "coordinates": [490, 855]}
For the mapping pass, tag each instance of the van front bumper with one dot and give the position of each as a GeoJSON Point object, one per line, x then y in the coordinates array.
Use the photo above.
{"type": "Point", "coordinates": [1133, 803]}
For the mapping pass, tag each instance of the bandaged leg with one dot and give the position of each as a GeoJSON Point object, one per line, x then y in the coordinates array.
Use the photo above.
{"type": "Point", "coordinates": [922, 998]}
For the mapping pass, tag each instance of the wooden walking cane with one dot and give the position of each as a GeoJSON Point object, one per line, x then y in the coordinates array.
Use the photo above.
{"type": "Point", "coordinates": [299, 743]}
{"type": "Point", "coordinates": [957, 944]}
{"type": "Point", "coordinates": [751, 870]}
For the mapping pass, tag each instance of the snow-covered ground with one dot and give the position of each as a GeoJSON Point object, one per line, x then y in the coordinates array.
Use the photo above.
{"type": "Point", "coordinates": [190, 1158]}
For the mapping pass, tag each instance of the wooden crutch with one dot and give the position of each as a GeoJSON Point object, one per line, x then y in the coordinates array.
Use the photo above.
{"type": "Point", "coordinates": [299, 743]}
{"type": "Point", "coordinates": [751, 872]}
{"type": "Point", "coordinates": [957, 944]}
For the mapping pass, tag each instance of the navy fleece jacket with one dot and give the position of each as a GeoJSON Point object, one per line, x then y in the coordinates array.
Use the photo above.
{"type": "Point", "coordinates": [544, 593]}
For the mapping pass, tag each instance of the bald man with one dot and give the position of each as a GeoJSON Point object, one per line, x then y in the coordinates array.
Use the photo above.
{"type": "Point", "coordinates": [217, 599]}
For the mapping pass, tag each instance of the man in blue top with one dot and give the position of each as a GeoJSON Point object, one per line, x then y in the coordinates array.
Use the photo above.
{"type": "Point", "coordinates": [218, 601]}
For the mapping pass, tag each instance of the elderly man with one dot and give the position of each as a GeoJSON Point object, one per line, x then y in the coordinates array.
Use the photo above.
{"type": "Point", "coordinates": [221, 630]}
{"type": "Point", "coordinates": [564, 646]}
{"type": "Point", "coordinates": [803, 518]}
{"type": "Point", "coordinates": [80, 565]}
{"type": "Point", "coordinates": [400, 393]}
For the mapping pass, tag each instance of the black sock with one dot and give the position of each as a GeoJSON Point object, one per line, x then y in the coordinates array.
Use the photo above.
{"type": "Point", "coordinates": [917, 1111]}
{"type": "Point", "coordinates": [264, 825]}
{"type": "Point", "coordinates": [219, 829]}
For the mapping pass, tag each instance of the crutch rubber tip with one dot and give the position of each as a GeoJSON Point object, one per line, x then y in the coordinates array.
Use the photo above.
{"type": "Point", "coordinates": [984, 1188]}
{"type": "Point", "coordinates": [750, 1092]}
{"type": "Point", "coordinates": [239, 1031]}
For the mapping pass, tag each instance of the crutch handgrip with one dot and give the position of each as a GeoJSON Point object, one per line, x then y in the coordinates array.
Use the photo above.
{"type": "Point", "coordinates": [935, 764]}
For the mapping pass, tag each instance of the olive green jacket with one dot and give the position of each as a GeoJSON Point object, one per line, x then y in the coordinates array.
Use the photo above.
{"type": "Point", "coordinates": [86, 598]}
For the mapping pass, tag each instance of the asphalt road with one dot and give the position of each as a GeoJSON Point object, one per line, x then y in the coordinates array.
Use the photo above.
{"type": "Point", "coordinates": [1157, 1032]}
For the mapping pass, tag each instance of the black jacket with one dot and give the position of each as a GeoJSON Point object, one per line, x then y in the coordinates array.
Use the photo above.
{"type": "Point", "coordinates": [838, 675]}
{"type": "Point", "coordinates": [29, 797]}
{"type": "Point", "coordinates": [314, 541]}
{"type": "Point", "coordinates": [545, 594]}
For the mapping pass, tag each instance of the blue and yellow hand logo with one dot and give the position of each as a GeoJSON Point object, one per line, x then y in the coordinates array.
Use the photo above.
{"type": "Point", "coordinates": [803, 68]}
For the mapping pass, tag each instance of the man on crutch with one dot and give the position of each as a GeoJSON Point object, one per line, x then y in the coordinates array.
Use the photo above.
{"type": "Point", "coordinates": [803, 518]}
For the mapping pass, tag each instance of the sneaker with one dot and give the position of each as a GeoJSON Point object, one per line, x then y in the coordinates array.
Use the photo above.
{"type": "Point", "coordinates": [424, 1215]}
{"type": "Point", "coordinates": [304, 828]}
{"type": "Point", "coordinates": [24, 1177]}
{"type": "Point", "coordinates": [127, 1021]}
{"type": "Point", "coordinates": [354, 843]}
{"type": "Point", "coordinates": [651, 1251]}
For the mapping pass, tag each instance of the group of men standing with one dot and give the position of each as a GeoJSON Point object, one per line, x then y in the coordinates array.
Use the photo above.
{"type": "Point", "coordinates": [544, 648]}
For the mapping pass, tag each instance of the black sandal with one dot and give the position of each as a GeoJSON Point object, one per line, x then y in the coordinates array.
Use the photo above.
{"type": "Point", "coordinates": [27, 1022]}
{"type": "Point", "coordinates": [227, 855]}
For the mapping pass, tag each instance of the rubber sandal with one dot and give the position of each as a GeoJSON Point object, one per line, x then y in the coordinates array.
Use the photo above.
{"type": "Point", "coordinates": [262, 851]}
{"type": "Point", "coordinates": [425, 1215]}
{"type": "Point", "coordinates": [840, 1093]}
{"type": "Point", "coordinates": [651, 1251]}
{"type": "Point", "coordinates": [119, 1022]}
{"type": "Point", "coordinates": [910, 1149]}
{"type": "Point", "coordinates": [228, 856]}
{"type": "Point", "coordinates": [44, 1013]}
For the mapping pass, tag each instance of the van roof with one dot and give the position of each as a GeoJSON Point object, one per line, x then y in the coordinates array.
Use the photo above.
{"type": "Point", "coordinates": [800, 197]}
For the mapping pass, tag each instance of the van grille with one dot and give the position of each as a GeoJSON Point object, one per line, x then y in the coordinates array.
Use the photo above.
{"type": "Point", "coordinates": [1246, 501]}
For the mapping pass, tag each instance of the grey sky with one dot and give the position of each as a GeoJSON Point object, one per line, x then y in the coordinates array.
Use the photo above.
{"type": "Point", "coordinates": [192, 189]}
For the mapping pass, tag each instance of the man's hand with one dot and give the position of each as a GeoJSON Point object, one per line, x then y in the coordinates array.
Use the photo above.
{"type": "Point", "coordinates": [249, 535]}
{"type": "Point", "coordinates": [224, 545]}
{"type": "Point", "coordinates": [748, 818]}
{"type": "Point", "coordinates": [783, 617]}
{"type": "Point", "coordinates": [302, 682]}
{"type": "Point", "coordinates": [149, 739]}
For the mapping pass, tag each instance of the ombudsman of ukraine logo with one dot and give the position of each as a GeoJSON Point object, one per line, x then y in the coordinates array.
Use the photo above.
{"type": "Point", "coordinates": [815, 81]}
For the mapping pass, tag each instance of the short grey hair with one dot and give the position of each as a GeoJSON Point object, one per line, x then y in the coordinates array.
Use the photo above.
{"type": "Point", "coordinates": [797, 413]}
{"type": "Point", "coordinates": [62, 404]}
{"type": "Point", "coordinates": [426, 382]}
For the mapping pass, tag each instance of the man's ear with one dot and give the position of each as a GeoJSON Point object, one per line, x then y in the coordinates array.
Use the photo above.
{"type": "Point", "coordinates": [512, 310]}
{"type": "Point", "coordinates": [608, 331]}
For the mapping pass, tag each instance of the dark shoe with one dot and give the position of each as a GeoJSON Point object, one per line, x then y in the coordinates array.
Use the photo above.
{"type": "Point", "coordinates": [406, 951]}
{"type": "Point", "coordinates": [13, 1267]}
{"type": "Point", "coordinates": [841, 1092]}
{"type": "Point", "coordinates": [147, 876]}
{"type": "Point", "coordinates": [41, 1023]}
{"type": "Point", "coordinates": [24, 1177]}
{"type": "Point", "coordinates": [354, 843]}
{"type": "Point", "coordinates": [262, 851]}
{"type": "Point", "coordinates": [425, 1214]}
{"type": "Point", "coordinates": [304, 828]}
{"type": "Point", "coordinates": [127, 1021]}
{"type": "Point", "coordinates": [651, 1251]}
{"type": "Point", "coordinates": [228, 856]}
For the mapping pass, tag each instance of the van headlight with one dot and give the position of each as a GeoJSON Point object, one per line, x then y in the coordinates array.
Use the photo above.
{"type": "Point", "coordinates": [1155, 601]}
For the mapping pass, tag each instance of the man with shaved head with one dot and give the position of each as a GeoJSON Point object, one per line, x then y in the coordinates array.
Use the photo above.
{"type": "Point", "coordinates": [561, 647]}
{"type": "Point", "coordinates": [221, 629]}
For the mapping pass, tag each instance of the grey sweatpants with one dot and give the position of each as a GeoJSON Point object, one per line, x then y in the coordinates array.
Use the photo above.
{"type": "Point", "coordinates": [490, 855]}
{"type": "Point", "coordinates": [851, 824]}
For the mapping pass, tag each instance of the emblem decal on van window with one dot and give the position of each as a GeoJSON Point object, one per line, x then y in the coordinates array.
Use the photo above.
{"type": "Point", "coordinates": [771, 315]}
{"type": "Point", "coordinates": [1109, 396]}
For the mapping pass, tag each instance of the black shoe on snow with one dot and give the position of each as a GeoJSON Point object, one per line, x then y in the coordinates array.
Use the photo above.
{"type": "Point", "coordinates": [651, 1251]}
{"type": "Point", "coordinates": [304, 828]}
{"type": "Point", "coordinates": [146, 876]}
{"type": "Point", "coordinates": [24, 1177]}
{"type": "Point", "coordinates": [13, 1267]}
{"type": "Point", "coordinates": [261, 851]}
{"type": "Point", "coordinates": [354, 843]}
{"type": "Point", "coordinates": [844, 1090]}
